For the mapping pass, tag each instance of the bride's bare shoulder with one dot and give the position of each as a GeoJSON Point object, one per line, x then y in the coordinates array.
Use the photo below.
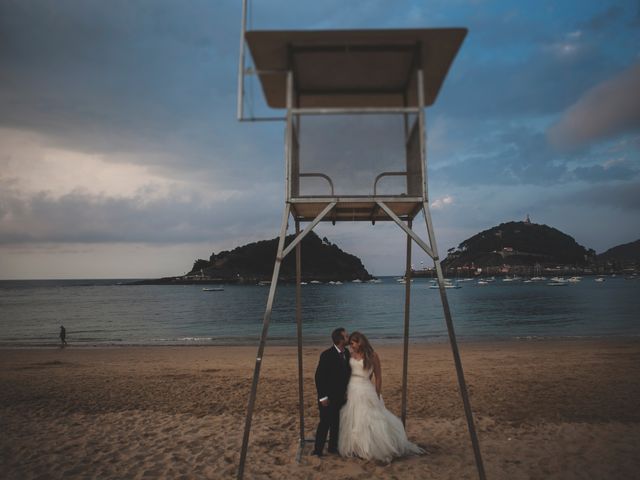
{"type": "Point", "coordinates": [375, 357]}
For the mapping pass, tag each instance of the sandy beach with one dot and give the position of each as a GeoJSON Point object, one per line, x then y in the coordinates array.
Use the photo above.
{"type": "Point", "coordinates": [544, 410]}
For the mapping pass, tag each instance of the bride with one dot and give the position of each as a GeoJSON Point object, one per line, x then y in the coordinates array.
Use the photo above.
{"type": "Point", "coordinates": [367, 429]}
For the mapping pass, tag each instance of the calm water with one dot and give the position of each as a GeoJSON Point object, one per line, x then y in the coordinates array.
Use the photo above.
{"type": "Point", "coordinates": [101, 312]}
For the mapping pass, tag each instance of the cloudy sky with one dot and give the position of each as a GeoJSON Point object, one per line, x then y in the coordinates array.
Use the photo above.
{"type": "Point", "coordinates": [120, 154]}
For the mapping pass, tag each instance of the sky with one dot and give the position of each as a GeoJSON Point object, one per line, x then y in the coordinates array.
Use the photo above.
{"type": "Point", "coordinates": [121, 155]}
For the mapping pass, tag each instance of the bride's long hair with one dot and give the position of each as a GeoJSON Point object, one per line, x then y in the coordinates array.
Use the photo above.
{"type": "Point", "coordinates": [365, 348]}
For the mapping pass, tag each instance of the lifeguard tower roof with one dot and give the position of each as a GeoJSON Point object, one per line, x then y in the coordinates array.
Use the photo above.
{"type": "Point", "coordinates": [353, 68]}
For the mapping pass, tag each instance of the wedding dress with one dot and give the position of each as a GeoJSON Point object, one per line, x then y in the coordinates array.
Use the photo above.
{"type": "Point", "coordinates": [367, 429]}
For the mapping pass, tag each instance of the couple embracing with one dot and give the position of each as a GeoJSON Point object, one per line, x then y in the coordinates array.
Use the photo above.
{"type": "Point", "coordinates": [351, 409]}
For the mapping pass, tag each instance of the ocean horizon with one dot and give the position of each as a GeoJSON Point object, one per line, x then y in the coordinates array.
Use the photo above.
{"type": "Point", "coordinates": [109, 312]}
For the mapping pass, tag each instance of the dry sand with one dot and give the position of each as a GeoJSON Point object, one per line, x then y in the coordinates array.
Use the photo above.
{"type": "Point", "coordinates": [545, 410]}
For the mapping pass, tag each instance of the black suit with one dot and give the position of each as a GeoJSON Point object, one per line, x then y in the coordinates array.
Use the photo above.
{"type": "Point", "coordinates": [332, 377]}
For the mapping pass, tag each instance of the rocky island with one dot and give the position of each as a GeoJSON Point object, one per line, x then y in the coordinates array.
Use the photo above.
{"type": "Point", "coordinates": [530, 249]}
{"type": "Point", "coordinates": [253, 263]}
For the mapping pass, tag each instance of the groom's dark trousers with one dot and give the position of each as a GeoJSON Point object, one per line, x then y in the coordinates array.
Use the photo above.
{"type": "Point", "coordinates": [332, 377]}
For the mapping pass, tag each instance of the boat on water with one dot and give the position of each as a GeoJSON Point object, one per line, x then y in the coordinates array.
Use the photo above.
{"type": "Point", "coordinates": [558, 283]}
{"type": "Point", "coordinates": [512, 279]}
{"type": "Point", "coordinates": [599, 279]}
{"type": "Point", "coordinates": [213, 289]}
{"type": "Point", "coordinates": [483, 282]}
{"type": "Point", "coordinates": [447, 284]}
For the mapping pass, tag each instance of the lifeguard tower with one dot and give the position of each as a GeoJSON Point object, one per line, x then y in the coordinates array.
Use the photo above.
{"type": "Point", "coordinates": [355, 149]}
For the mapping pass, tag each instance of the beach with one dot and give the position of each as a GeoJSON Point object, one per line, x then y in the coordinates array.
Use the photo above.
{"type": "Point", "coordinates": [552, 409]}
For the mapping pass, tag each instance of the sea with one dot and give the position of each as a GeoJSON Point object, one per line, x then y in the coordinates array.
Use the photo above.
{"type": "Point", "coordinates": [114, 313]}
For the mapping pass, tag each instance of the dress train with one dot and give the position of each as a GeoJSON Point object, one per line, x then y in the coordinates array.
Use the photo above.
{"type": "Point", "coordinates": [367, 429]}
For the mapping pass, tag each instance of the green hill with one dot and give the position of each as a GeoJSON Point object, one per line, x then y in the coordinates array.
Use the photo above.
{"type": "Point", "coordinates": [519, 243]}
{"type": "Point", "coordinates": [628, 252]}
{"type": "Point", "coordinates": [321, 260]}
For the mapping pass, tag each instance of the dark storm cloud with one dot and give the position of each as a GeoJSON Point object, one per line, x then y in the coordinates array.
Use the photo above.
{"type": "Point", "coordinates": [526, 61]}
{"type": "Point", "coordinates": [135, 77]}
{"type": "Point", "coordinates": [605, 19]}
{"type": "Point", "coordinates": [523, 156]}
{"type": "Point", "coordinates": [619, 196]}
{"type": "Point", "coordinates": [609, 109]}
{"type": "Point", "coordinates": [599, 173]}
{"type": "Point", "coordinates": [519, 156]}
{"type": "Point", "coordinates": [513, 74]}
{"type": "Point", "coordinates": [541, 82]}
{"type": "Point", "coordinates": [86, 218]}
{"type": "Point", "coordinates": [153, 82]}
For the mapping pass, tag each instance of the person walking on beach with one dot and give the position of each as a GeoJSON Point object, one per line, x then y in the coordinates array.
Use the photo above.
{"type": "Point", "coordinates": [332, 377]}
{"type": "Point", "coordinates": [63, 336]}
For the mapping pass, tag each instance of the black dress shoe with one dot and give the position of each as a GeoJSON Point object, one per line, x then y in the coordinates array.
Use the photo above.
{"type": "Point", "coordinates": [334, 451]}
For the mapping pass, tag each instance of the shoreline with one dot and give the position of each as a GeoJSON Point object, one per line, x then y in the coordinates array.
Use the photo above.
{"type": "Point", "coordinates": [544, 410]}
{"type": "Point", "coordinates": [318, 342]}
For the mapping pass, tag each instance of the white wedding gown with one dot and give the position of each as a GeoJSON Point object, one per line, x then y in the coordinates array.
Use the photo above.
{"type": "Point", "coordinates": [367, 429]}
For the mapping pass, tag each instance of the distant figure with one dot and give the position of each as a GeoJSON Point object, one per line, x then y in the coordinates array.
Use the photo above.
{"type": "Point", "coordinates": [63, 336]}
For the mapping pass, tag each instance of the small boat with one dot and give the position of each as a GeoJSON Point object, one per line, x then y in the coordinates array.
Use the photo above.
{"type": "Point", "coordinates": [447, 284]}
{"type": "Point", "coordinates": [375, 280]}
{"type": "Point", "coordinates": [483, 282]}
{"type": "Point", "coordinates": [213, 289]}
{"type": "Point", "coordinates": [357, 280]}
{"type": "Point", "coordinates": [599, 279]}
{"type": "Point", "coordinates": [561, 283]}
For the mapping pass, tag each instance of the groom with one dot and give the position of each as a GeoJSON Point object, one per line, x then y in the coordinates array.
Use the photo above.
{"type": "Point", "coordinates": [332, 377]}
